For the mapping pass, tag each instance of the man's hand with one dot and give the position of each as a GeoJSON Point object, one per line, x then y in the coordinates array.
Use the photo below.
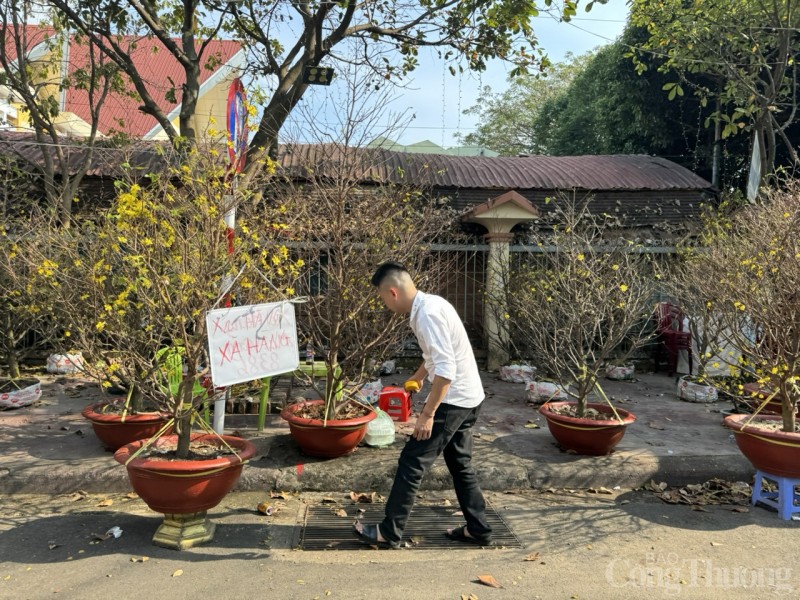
{"type": "Point", "coordinates": [423, 428]}
{"type": "Point", "coordinates": [412, 386]}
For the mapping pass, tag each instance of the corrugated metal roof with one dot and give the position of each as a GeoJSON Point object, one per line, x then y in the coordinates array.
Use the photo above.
{"type": "Point", "coordinates": [107, 159]}
{"type": "Point", "coordinates": [604, 172]}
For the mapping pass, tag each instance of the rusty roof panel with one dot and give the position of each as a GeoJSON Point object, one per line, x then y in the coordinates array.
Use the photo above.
{"type": "Point", "coordinates": [604, 172]}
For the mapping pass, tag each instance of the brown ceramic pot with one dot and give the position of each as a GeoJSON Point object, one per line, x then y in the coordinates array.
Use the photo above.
{"type": "Point", "coordinates": [325, 440]}
{"type": "Point", "coordinates": [115, 431]}
{"type": "Point", "coordinates": [586, 436]}
{"type": "Point", "coordinates": [774, 452]}
{"type": "Point", "coordinates": [185, 486]}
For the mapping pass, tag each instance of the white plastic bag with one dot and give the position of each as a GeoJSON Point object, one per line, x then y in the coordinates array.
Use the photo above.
{"type": "Point", "coordinates": [380, 431]}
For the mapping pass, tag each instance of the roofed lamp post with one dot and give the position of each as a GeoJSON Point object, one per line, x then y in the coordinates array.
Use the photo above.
{"type": "Point", "coordinates": [499, 215]}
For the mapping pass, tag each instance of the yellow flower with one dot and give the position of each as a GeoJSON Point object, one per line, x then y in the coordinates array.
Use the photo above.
{"type": "Point", "coordinates": [623, 287]}
{"type": "Point", "coordinates": [615, 267]}
{"type": "Point", "coordinates": [581, 256]}
{"type": "Point", "coordinates": [100, 326]}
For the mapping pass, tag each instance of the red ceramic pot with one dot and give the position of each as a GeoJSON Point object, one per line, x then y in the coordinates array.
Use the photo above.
{"type": "Point", "coordinates": [325, 440]}
{"type": "Point", "coordinates": [185, 486]}
{"type": "Point", "coordinates": [755, 394]}
{"type": "Point", "coordinates": [586, 436]}
{"type": "Point", "coordinates": [774, 452]}
{"type": "Point", "coordinates": [115, 431]}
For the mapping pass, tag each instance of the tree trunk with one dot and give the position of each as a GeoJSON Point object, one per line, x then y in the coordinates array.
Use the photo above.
{"type": "Point", "coordinates": [788, 405]}
{"type": "Point", "coordinates": [183, 424]}
{"type": "Point", "coordinates": [12, 358]}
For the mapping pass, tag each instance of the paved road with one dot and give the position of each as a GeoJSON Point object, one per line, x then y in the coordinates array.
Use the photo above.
{"type": "Point", "coordinates": [628, 544]}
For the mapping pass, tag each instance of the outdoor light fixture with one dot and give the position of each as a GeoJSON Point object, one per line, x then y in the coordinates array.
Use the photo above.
{"type": "Point", "coordinates": [317, 75]}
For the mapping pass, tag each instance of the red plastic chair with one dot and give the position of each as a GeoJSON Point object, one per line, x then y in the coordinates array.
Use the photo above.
{"type": "Point", "coordinates": [671, 336]}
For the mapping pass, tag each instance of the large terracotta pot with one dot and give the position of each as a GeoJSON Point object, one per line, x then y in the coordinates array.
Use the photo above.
{"type": "Point", "coordinates": [329, 440]}
{"type": "Point", "coordinates": [586, 436]}
{"type": "Point", "coordinates": [774, 452]}
{"type": "Point", "coordinates": [115, 432]}
{"type": "Point", "coordinates": [185, 486]}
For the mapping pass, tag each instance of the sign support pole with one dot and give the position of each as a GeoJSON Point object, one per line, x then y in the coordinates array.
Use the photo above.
{"type": "Point", "coordinates": [237, 152]}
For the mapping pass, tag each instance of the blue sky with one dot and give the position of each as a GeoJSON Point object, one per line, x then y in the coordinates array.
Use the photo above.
{"type": "Point", "coordinates": [436, 99]}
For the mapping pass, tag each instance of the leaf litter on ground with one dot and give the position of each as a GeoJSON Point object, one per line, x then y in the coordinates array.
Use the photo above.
{"type": "Point", "coordinates": [714, 491]}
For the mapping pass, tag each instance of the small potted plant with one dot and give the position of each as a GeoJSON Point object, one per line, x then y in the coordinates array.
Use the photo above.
{"type": "Point", "coordinates": [584, 297]}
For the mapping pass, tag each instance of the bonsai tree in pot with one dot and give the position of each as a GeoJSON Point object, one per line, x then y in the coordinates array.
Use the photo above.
{"type": "Point", "coordinates": [350, 215]}
{"type": "Point", "coordinates": [582, 296]}
{"type": "Point", "coordinates": [758, 271]}
{"type": "Point", "coordinates": [139, 280]}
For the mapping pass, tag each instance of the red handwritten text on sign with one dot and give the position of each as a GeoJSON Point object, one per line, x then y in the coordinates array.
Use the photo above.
{"type": "Point", "coordinates": [251, 342]}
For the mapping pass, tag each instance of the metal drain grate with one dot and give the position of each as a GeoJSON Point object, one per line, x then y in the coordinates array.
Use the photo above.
{"type": "Point", "coordinates": [326, 529]}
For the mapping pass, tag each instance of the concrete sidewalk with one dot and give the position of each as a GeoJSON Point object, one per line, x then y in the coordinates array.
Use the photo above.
{"type": "Point", "coordinates": [49, 448]}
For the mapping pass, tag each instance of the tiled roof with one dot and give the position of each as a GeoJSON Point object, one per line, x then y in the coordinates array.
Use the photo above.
{"type": "Point", "coordinates": [157, 67]}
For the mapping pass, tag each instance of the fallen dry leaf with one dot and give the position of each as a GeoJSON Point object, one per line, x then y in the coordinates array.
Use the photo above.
{"type": "Point", "coordinates": [716, 544]}
{"type": "Point", "coordinates": [132, 495]}
{"type": "Point", "coordinates": [532, 556]}
{"type": "Point", "coordinates": [106, 502]}
{"type": "Point", "coordinates": [740, 509]}
{"type": "Point", "coordinates": [654, 425]}
{"type": "Point", "coordinates": [489, 580]}
{"type": "Point", "coordinates": [52, 545]}
{"type": "Point", "coordinates": [470, 597]}
{"type": "Point", "coordinates": [340, 513]}
{"type": "Point", "coordinates": [279, 495]}
{"type": "Point", "coordinates": [446, 502]}
{"type": "Point", "coordinates": [362, 497]}
{"type": "Point", "coordinates": [328, 501]}
{"type": "Point", "coordinates": [699, 508]}
{"type": "Point", "coordinates": [532, 426]}
{"type": "Point", "coordinates": [600, 490]}
{"type": "Point", "coordinates": [178, 573]}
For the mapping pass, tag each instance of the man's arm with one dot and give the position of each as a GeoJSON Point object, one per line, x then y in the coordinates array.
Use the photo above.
{"type": "Point", "coordinates": [424, 426]}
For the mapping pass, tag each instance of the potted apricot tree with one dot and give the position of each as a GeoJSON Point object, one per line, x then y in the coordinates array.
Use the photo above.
{"type": "Point", "coordinates": [138, 281]}
{"type": "Point", "coordinates": [583, 297]}
{"type": "Point", "coordinates": [758, 271]}
{"type": "Point", "coordinates": [348, 219]}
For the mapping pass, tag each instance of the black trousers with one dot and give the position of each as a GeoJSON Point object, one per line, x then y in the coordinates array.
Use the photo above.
{"type": "Point", "coordinates": [451, 436]}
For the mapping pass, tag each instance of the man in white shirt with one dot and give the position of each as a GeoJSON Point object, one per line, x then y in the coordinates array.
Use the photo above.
{"type": "Point", "coordinates": [444, 425]}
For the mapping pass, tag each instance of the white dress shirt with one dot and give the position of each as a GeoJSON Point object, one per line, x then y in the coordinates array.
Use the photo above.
{"type": "Point", "coordinates": [446, 349]}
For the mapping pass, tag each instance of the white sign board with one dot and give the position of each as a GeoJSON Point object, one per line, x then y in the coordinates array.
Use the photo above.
{"type": "Point", "coordinates": [251, 342]}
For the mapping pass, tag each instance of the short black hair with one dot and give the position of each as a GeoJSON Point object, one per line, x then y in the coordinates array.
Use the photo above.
{"type": "Point", "coordinates": [386, 269]}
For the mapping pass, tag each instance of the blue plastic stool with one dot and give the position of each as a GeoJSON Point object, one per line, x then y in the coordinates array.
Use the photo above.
{"type": "Point", "coordinates": [786, 500]}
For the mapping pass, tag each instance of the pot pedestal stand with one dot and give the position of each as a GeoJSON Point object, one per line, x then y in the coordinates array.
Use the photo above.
{"type": "Point", "coordinates": [183, 531]}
